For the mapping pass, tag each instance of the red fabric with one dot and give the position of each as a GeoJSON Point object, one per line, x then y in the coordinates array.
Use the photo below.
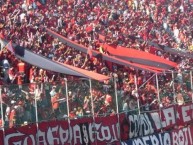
{"type": "Point", "coordinates": [105, 57]}
{"type": "Point", "coordinates": [2, 36]}
{"type": "Point", "coordinates": [89, 29]}
{"type": "Point", "coordinates": [21, 67]}
{"type": "Point", "coordinates": [102, 38]}
{"type": "Point", "coordinates": [132, 53]}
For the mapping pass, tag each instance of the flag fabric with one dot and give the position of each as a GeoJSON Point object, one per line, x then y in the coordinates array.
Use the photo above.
{"type": "Point", "coordinates": [101, 38]}
{"type": "Point", "coordinates": [2, 36]}
{"type": "Point", "coordinates": [10, 47]}
{"type": "Point", "coordinates": [89, 29]}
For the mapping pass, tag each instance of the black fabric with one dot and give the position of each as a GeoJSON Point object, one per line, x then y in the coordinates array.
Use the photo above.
{"type": "Point", "coordinates": [20, 50]}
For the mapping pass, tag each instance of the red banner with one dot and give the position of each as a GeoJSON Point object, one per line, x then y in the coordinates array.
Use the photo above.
{"type": "Point", "coordinates": [1, 137]}
{"type": "Point", "coordinates": [165, 119]}
{"type": "Point", "coordinates": [184, 114]}
{"type": "Point", "coordinates": [182, 136]}
{"type": "Point", "coordinates": [21, 135]}
{"type": "Point", "coordinates": [80, 132]}
{"type": "Point", "coordinates": [105, 130]}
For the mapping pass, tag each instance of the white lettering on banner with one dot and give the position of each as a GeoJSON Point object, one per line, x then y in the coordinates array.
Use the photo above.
{"type": "Point", "coordinates": [154, 140]}
{"type": "Point", "coordinates": [185, 115]}
{"type": "Point", "coordinates": [32, 140]}
{"type": "Point", "coordinates": [146, 125]}
{"type": "Point", "coordinates": [160, 136]}
{"type": "Point", "coordinates": [7, 137]}
{"type": "Point", "coordinates": [77, 134]}
{"type": "Point", "coordinates": [161, 139]}
{"type": "Point", "coordinates": [159, 121]}
{"type": "Point", "coordinates": [64, 135]}
{"type": "Point", "coordinates": [167, 139]}
{"type": "Point", "coordinates": [57, 135]}
{"type": "Point", "coordinates": [114, 137]}
{"type": "Point", "coordinates": [97, 126]}
{"type": "Point", "coordinates": [182, 137]}
{"type": "Point", "coordinates": [169, 115]}
{"type": "Point", "coordinates": [145, 140]}
{"type": "Point", "coordinates": [106, 133]}
{"type": "Point", "coordinates": [140, 125]}
{"type": "Point", "coordinates": [50, 134]}
{"type": "Point", "coordinates": [85, 134]}
{"type": "Point", "coordinates": [156, 119]}
{"type": "Point", "coordinates": [134, 125]}
{"type": "Point", "coordinates": [91, 132]}
{"type": "Point", "coordinates": [42, 137]}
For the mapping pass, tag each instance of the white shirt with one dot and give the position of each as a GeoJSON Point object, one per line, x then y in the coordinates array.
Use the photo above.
{"type": "Point", "coordinates": [22, 16]}
{"type": "Point", "coordinates": [176, 32]}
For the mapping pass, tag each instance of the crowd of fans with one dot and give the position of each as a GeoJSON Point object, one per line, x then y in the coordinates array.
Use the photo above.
{"type": "Point", "coordinates": [90, 23]}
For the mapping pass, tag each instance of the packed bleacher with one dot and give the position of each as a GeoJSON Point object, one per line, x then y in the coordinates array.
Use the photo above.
{"type": "Point", "coordinates": [127, 23]}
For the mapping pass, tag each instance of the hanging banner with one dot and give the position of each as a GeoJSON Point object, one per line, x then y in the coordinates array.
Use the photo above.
{"type": "Point", "coordinates": [155, 139]}
{"type": "Point", "coordinates": [80, 132]}
{"type": "Point", "coordinates": [21, 135]}
{"type": "Point", "coordinates": [107, 130]}
{"type": "Point", "coordinates": [184, 114]}
{"type": "Point", "coordinates": [183, 136]}
{"type": "Point", "coordinates": [1, 137]}
{"type": "Point", "coordinates": [138, 129]}
{"type": "Point", "coordinates": [137, 125]}
{"type": "Point", "coordinates": [165, 119]}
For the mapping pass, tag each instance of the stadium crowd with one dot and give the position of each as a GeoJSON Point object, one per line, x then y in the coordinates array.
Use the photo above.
{"type": "Point", "coordinates": [90, 23]}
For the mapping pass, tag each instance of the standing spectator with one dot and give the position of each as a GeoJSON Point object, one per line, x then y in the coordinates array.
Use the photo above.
{"type": "Point", "coordinates": [55, 105]}
{"type": "Point", "coordinates": [12, 117]}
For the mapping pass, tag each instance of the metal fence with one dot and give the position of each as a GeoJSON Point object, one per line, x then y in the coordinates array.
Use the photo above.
{"type": "Point", "coordinates": [73, 99]}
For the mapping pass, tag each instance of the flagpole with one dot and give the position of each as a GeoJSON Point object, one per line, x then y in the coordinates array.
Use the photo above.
{"type": "Point", "coordinates": [36, 111]}
{"type": "Point", "coordinates": [174, 94]}
{"type": "Point", "coordinates": [67, 103]}
{"type": "Point", "coordinates": [92, 103]}
{"type": "Point", "coordinates": [2, 115]}
{"type": "Point", "coordinates": [191, 84]}
{"type": "Point", "coordinates": [117, 105]}
{"type": "Point", "coordinates": [136, 93]}
{"type": "Point", "coordinates": [67, 99]}
{"type": "Point", "coordinates": [158, 95]}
